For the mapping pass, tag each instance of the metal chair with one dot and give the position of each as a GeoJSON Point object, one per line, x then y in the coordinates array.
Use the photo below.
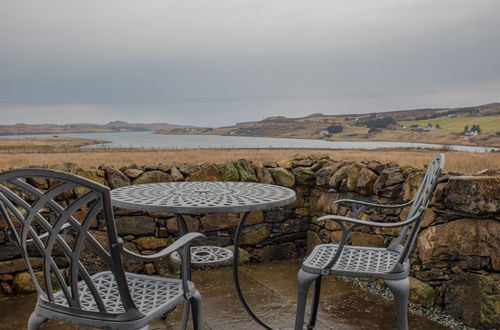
{"type": "Point", "coordinates": [390, 264]}
{"type": "Point", "coordinates": [43, 223]}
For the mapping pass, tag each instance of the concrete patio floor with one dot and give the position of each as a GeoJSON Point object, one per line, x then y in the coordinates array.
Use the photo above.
{"type": "Point", "coordinates": [270, 289]}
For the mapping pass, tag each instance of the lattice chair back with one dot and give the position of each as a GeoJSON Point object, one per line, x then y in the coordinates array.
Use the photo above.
{"type": "Point", "coordinates": [49, 215]}
{"type": "Point", "coordinates": [404, 242]}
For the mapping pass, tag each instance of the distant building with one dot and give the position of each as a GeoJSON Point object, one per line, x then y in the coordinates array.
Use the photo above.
{"type": "Point", "coordinates": [471, 133]}
{"type": "Point", "coordinates": [325, 133]}
{"type": "Point", "coordinates": [429, 127]}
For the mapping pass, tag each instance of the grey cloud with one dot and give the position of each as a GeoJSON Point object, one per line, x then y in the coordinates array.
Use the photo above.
{"type": "Point", "coordinates": [217, 62]}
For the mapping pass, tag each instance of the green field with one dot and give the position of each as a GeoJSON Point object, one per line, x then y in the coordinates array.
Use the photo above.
{"type": "Point", "coordinates": [488, 124]}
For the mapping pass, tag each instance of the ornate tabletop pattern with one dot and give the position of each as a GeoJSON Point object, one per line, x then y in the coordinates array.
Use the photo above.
{"type": "Point", "coordinates": [202, 197]}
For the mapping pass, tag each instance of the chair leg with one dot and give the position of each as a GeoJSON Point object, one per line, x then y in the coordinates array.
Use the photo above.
{"type": "Point", "coordinates": [315, 304]}
{"type": "Point", "coordinates": [195, 302]}
{"type": "Point", "coordinates": [35, 321]}
{"type": "Point", "coordinates": [304, 280]}
{"type": "Point", "coordinates": [185, 314]}
{"type": "Point", "coordinates": [400, 289]}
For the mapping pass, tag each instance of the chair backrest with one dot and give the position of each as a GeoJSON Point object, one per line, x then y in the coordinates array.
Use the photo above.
{"type": "Point", "coordinates": [408, 234]}
{"type": "Point", "coordinates": [49, 213]}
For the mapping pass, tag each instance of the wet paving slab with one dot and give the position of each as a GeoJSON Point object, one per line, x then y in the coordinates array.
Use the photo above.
{"type": "Point", "coordinates": [270, 289]}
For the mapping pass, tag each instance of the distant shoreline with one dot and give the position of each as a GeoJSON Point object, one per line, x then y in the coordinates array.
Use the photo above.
{"type": "Point", "coordinates": [145, 141]}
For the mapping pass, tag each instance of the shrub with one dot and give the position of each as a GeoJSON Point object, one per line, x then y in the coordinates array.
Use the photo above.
{"type": "Point", "coordinates": [335, 128]}
{"type": "Point", "coordinates": [380, 122]}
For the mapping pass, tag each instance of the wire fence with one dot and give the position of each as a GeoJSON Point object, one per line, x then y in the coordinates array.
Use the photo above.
{"type": "Point", "coordinates": [108, 149]}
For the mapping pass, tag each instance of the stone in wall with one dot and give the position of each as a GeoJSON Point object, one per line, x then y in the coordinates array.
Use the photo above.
{"type": "Point", "coordinates": [16, 265]}
{"type": "Point", "coordinates": [381, 182]}
{"type": "Point", "coordinates": [274, 252]}
{"type": "Point", "coordinates": [246, 171]}
{"type": "Point", "coordinates": [353, 172]}
{"type": "Point", "coordinates": [365, 182]}
{"type": "Point", "coordinates": [339, 176]}
{"type": "Point", "coordinates": [295, 225]}
{"type": "Point", "coordinates": [474, 298]}
{"type": "Point", "coordinates": [152, 177]}
{"type": "Point", "coordinates": [255, 234]}
{"type": "Point", "coordinates": [282, 177]}
{"type": "Point", "coordinates": [116, 179]}
{"type": "Point", "coordinates": [133, 173]}
{"type": "Point", "coordinates": [9, 251]}
{"type": "Point", "coordinates": [324, 173]}
{"type": "Point", "coordinates": [430, 216]}
{"type": "Point", "coordinates": [285, 163]}
{"type": "Point", "coordinates": [303, 175]}
{"type": "Point", "coordinates": [93, 263]}
{"type": "Point", "coordinates": [221, 221]}
{"type": "Point", "coordinates": [209, 172]}
{"type": "Point", "coordinates": [243, 255]}
{"type": "Point", "coordinates": [263, 175]}
{"type": "Point", "coordinates": [411, 185]}
{"type": "Point", "coordinates": [229, 172]}
{"type": "Point", "coordinates": [392, 192]}
{"type": "Point", "coordinates": [91, 174]}
{"type": "Point", "coordinates": [364, 239]}
{"type": "Point", "coordinates": [151, 167]}
{"type": "Point", "coordinates": [135, 225]}
{"type": "Point", "coordinates": [39, 183]}
{"type": "Point", "coordinates": [421, 293]}
{"type": "Point", "coordinates": [23, 284]}
{"type": "Point", "coordinates": [220, 239]}
{"type": "Point", "coordinates": [188, 169]}
{"type": "Point", "coordinates": [192, 224]}
{"type": "Point", "coordinates": [279, 216]}
{"type": "Point", "coordinates": [312, 239]}
{"type": "Point", "coordinates": [466, 243]}
{"type": "Point", "coordinates": [151, 243]}
{"type": "Point", "coordinates": [176, 174]}
{"type": "Point", "coordinates": [269, 164]}
{"type": "Point", "coordinates": [301, 162]}
{"type": "Point", "coordinates": [325, 202]}
{"type": "Point", "coordinates": [473, 194]}
{"type": "Point", "coordinates": [164, 266]}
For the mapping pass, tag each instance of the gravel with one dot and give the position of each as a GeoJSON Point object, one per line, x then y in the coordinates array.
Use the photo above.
{"type": "Point", "coordinates": [433, 314]}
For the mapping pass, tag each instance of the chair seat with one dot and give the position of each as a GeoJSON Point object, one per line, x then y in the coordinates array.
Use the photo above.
{"type": "Point", "coordinates": [202, 256]}
{"type": "Point", "coordinates": [354, 260]}
{"type": "Point", "coordinates": [151, 294]}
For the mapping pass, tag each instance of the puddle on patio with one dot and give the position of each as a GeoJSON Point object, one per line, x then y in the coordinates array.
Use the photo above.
{"type": "Point", "coordinates": [270, 291]}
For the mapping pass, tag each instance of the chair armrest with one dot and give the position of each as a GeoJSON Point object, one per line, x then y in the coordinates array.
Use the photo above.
{"type": "Point", "coordinates": [346, 232]}
{"type": "Point", "coordinates": [338, 219]}
{"type": "Point", "coordinates": [179, 243]}
{"type": "Point", "coordinates": [373, 205]}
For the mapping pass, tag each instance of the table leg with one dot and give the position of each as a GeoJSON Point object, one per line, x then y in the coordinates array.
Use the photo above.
{"type": "Point", "coordinates": [185, 268]}
{"type": "Point", "coordinates": [181, 224]}
{"type": "Point", "coordinates": [237, 237]}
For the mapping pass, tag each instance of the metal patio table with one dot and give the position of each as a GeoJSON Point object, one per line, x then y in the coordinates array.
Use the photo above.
{"type": "Point", "coordinates": [192, 198]}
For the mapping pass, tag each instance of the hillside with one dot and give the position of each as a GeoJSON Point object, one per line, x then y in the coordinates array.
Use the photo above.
{"type": "Point", "coordinates": [446, 126]}
{"type": "Point", "coordinates": [45, 144]}
{"type": "Point", "coordinates": [114, 126]}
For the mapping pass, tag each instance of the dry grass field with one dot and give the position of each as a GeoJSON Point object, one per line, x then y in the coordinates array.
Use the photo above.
{"type": "Point", "coordinates": [461, 162]}
{"type": "Point", "coordinates": [44, 144]}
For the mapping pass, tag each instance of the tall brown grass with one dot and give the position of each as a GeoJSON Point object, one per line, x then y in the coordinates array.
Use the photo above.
{"type": "Point", "coordinates": [461, 162]}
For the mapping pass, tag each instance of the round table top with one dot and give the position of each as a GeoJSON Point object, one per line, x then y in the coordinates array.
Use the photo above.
{"type": "Point", "coordinates": [202, 197]}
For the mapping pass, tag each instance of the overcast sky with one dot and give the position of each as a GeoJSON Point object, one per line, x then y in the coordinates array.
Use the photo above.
{"type": "Point", "coordinates": [217, 62]}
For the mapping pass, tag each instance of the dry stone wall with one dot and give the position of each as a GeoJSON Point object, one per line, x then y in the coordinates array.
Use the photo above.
{"type": "Point", "coordinates": [455, 263]}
